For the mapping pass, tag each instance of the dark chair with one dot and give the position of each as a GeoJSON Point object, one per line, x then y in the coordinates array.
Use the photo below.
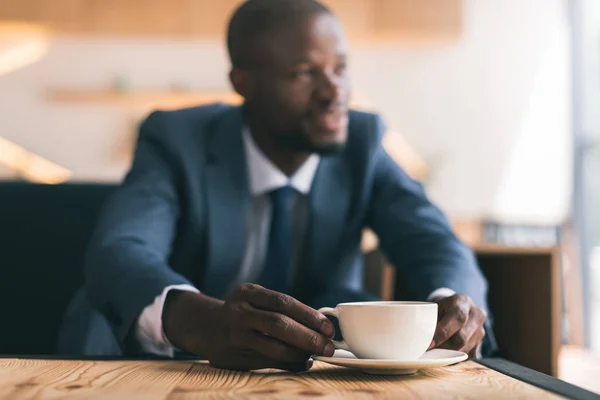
{"type": "Point", "coordinates": [43, 233]}
{"type": "Point", "coordinates": [44, 230]}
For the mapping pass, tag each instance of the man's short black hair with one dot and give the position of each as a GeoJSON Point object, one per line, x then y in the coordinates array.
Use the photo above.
{"type": "Point", "coordinates": [255, 19]}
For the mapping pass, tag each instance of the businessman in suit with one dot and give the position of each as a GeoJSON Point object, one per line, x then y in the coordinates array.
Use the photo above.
{"type": "Point", "coordinates": [235, 223]}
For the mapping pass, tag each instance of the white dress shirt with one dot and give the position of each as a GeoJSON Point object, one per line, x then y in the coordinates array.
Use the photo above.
{"type": "Point", "coordinates": [264, 177]}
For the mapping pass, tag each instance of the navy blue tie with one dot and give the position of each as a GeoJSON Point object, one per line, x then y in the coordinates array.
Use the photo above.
{"type": "Point", "coordinates": [278, 261]}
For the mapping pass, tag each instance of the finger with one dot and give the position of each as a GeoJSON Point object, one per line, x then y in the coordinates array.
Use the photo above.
{"type": "Point", "coordinates": [258, 361]}
{"type": "Point", "coordinates": [265, 362]}
{"type": "Point", "coordinates": [452, 322]}
{"type": "Point", "coordinates": [249, 360]}
{"type": "Point", "coordinates": [296, 367]}
{"type": "Point", "coordinates": [475, 330]}
{"type": "Point", "coordinates": [462, 340]}
{"type": "Point", "coordinates": [290, 332]}
{"type": "Point", "coordinates": [273, 348]}
{"type": "Point", "coordinates": [270, 300]}
{"type": "Point", "coordinates": [475, 342]}
{"type": "Point", "coordinates": [459, 341]}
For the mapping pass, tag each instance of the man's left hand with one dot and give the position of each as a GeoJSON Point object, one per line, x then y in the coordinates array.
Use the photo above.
{"type": "Point", "coordinates": [460, 324]}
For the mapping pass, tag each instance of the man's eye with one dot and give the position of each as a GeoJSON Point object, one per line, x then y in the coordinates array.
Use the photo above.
{"type": "Point", "coordinates": [341, 68]}
{"type": "Point", "coordinates": [305, 72]}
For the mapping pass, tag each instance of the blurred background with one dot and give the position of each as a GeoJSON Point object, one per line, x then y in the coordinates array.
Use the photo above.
{"type": "Point", "coordinates": [493, 104]}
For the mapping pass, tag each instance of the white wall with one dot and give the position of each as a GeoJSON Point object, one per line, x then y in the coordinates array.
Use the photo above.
{"type": "Point", "coordinates": [490, 111]}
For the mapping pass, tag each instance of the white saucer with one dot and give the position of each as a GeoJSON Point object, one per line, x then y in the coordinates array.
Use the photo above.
{"type": "Point", "coordinates": [432, 359]}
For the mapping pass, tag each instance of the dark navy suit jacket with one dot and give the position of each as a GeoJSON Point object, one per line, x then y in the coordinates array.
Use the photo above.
{"type": "Point", "coordinates": [179, 217]}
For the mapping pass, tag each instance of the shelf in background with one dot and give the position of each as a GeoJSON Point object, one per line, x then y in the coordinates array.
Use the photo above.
{"type": "Point", "coordinates": [144, 101]}
{"type": "Point", "coordinates": [141, 99]}
{"type": "Point", "coordinates": [499, 249]}
{"type": "Point", "coordinates": [163, 99]}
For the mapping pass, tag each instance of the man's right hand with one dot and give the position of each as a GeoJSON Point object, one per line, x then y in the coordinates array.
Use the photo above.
{"type": "Point", "coordinates": [254, 328]}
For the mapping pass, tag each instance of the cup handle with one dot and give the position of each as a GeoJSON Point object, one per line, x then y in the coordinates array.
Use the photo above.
{"type": "Point", "coordinates": [333, 312]}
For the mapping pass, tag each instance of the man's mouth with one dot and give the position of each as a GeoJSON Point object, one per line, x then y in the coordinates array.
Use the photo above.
{"type": "Point", "coordinates": [331, 121]}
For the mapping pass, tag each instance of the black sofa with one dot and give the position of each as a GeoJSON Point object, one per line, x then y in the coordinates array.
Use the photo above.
{"type": "Point", "coordinates": [43, 233]}
{"type": "Point", "coordinates": [44, 230]}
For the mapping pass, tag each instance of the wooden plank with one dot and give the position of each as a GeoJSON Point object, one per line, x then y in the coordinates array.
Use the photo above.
{"type": "Point", "coordinates": [379, 276]}
{"type": "Point", "coordinates": [363, 19]}
{"type": "Point", "coordinates": [555, 310]}
{"type": "Point", "coordinates": [49, 379]}
{"type": "Point", "coordinates": [357, 19]}
{"type": "Point", "coordinates": [205, 18]}
{"type": "Point", "coordinates": [524, 298]}
{"type": "Point", "coordinates": [500, 249]}
{"type": "Point", "coordinates": [144, 100]}
{"type": "Point", "coordinates": [61, 16]}
{"type": "Point", "coordinates": [416, 18]}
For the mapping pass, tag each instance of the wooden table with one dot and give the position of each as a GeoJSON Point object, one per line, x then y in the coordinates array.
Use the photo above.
{"type": "Point", "coordinates": [143, 379]}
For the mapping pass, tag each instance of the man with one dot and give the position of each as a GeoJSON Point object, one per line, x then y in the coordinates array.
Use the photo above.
{"type": "Point", "coordinates": [235, 223]}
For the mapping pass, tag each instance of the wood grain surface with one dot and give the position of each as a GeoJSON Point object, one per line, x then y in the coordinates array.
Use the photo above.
{"type": "Point", "coordinates": [364, 20]}
{"type": "Point", "coordinates": [53, 379]}
{"type": "Point", "coordinates": [524, 299]}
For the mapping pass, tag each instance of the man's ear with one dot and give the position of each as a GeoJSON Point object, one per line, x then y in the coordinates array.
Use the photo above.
{"type": "Point", "coordinates": [242, 82]}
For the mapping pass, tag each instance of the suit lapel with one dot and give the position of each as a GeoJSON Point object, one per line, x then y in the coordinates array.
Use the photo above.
{"type": "Point", "coordinates": [228, 200]}
{"type": "Point", "coordinates": [329, 208]}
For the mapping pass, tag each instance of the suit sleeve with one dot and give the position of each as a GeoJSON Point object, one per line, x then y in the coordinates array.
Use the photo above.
{"type": "Point", "coordinates": [126, 264]}
{"type": "Point", "coordinates": [416, 236]}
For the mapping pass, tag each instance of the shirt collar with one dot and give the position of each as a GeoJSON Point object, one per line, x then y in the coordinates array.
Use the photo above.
{"type": "Point", "coordinates": [265, 176]}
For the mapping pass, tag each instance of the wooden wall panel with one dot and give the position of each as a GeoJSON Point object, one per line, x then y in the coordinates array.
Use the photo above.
{"type": "Point", "coordinates": [363, 19]}
{"type": "Point", "coordinates": [357, 19]}
{"type": "Point", "coordinates": [524, 298]}
{"type": "Point", "coordinates": [416, 18]}
{"type": "Point", "coordinates": [63, 15]}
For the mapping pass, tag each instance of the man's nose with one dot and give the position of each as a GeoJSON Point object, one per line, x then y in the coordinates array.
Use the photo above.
{"type": "Point", "coordinates": [331, 87]}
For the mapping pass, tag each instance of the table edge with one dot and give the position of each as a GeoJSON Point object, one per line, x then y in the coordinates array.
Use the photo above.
{"type": "Point", "coordinates": [538, 379]}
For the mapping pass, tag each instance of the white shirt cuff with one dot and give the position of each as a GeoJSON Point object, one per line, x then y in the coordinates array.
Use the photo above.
{"type": "Point", "coordinates": [149, 329]}
{"type": "Point", "coordinates": [441, 292]}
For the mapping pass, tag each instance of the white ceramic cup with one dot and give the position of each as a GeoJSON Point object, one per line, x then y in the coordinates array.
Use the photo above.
{"type": "Point", "coordinates": [392, 330]}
